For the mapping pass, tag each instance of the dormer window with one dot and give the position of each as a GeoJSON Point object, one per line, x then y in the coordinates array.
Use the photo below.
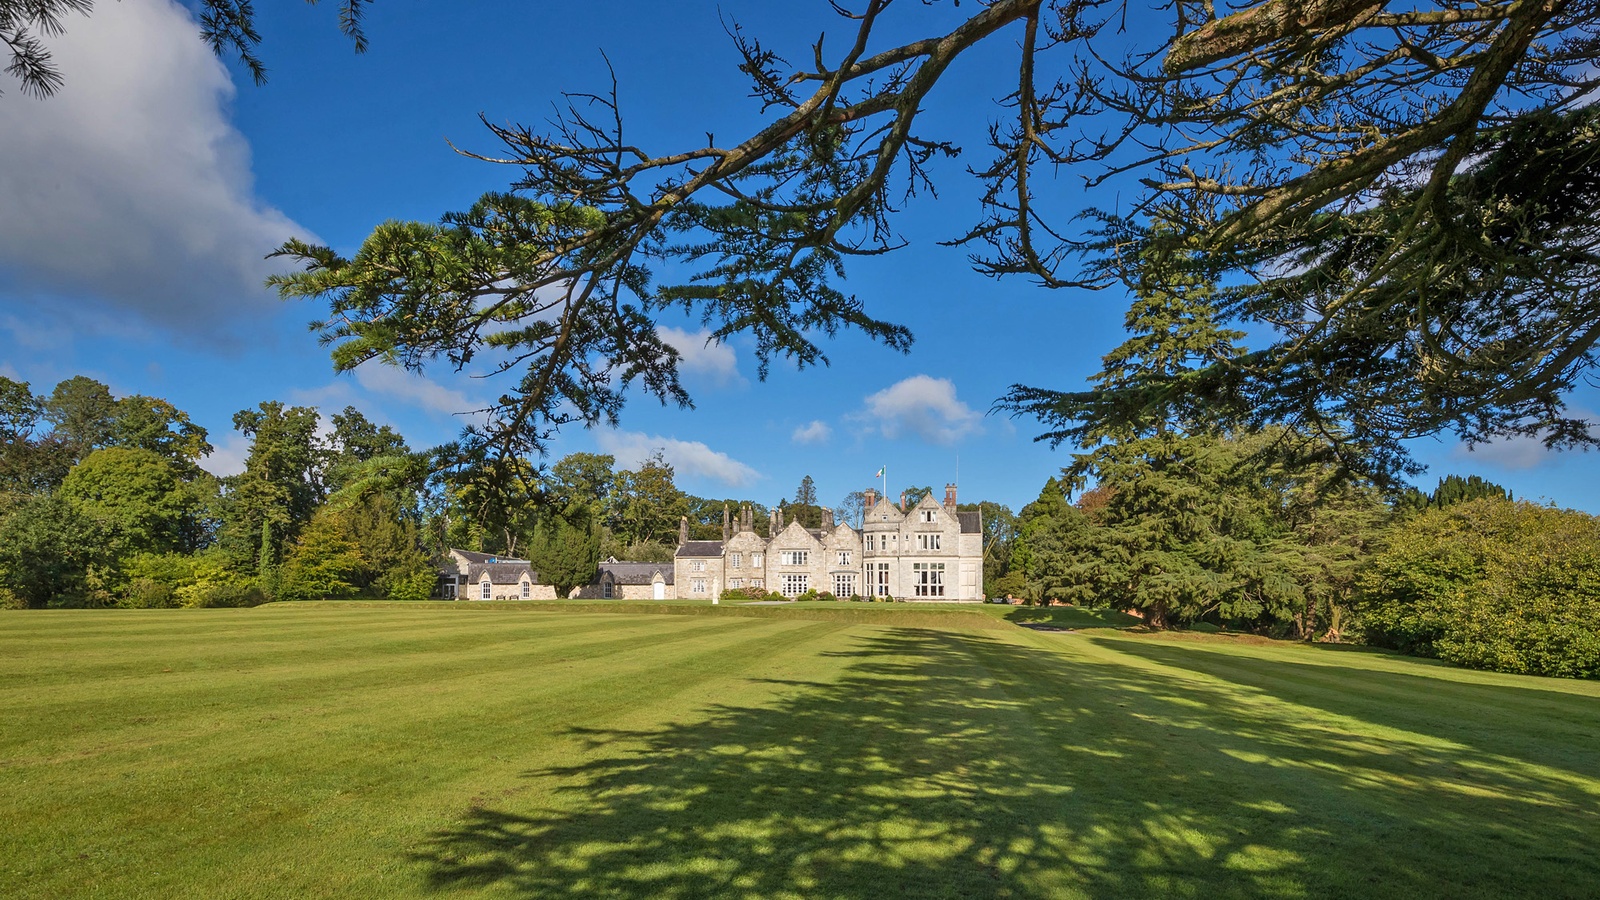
{"type": "Point", "coordinates": [928, 515]}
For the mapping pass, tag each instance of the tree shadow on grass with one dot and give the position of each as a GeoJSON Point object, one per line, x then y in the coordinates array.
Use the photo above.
{"type": "Point", "coordinates": [947, 764]}
{"type": "Point", "coordinates": [1073, 617]}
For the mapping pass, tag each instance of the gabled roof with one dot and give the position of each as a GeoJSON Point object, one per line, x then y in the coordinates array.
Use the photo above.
{"type": "Point", "coordinates": [792, 531]}
{"type": "Point", "coordinates": [701, 549]}
{"type": "Point", "coordinates": [971, 522]}
{"type": "Point", "coordinates": [501, 572]}
{"type": "Point", "coordinates": [881, 512]}
{"type": "Point", "coordinates": [636, 572]}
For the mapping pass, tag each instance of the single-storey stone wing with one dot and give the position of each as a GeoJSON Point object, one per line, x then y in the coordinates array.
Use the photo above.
{"type": "Point", "coordinates": [618, 580]}
{"type": "Point", "coordinates": [468, 575]}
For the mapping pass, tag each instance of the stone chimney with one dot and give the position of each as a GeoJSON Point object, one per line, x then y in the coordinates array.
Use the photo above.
{"type": "Point", "coordinates": [950, 497]}
{"type": "Point", "coordinates": [683, 530]}
{"type": "Point", "coordinates": [902, 501]}
{"type": "Point", "coordinates": [827, 520]}
{"type": "Point", "coordinates": [777, 519]}
{"type": "Point", "coordinates": [727, 524]}
{"type": "Point", "coordinates": [869, 499]}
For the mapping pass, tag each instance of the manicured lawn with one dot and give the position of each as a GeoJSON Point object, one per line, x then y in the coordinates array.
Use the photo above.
{"type": "Point", "coordinates": [333, 750]}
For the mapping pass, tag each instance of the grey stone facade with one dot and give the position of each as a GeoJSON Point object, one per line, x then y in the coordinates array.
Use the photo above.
{"type": "Point", "coordinates": [927, 552]}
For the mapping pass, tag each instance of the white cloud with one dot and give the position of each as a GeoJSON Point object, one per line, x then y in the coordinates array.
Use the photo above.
{"type": "Point", "coordinates": [922, 407]}
{"type": "Point", "coordinates": [416, 390]}
{"type": "Point", "coordinates": [1511, 453]}
{"type": "Point", "coordinates": [130, 188]}
{"type": "Point", "coordinates": [227, 455]}
{"type": "Point", "coordinates": [701, 356]}
{"type": "Point", "coordinates": [814, 432]}
{"type": "Point", "coordinates": [687, 457]}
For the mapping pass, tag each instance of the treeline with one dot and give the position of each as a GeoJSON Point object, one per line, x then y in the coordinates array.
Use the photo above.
{"type": "Point", "coordinates": [106, 504]}
{"type": "Point", "coordinates": [1271, 533]}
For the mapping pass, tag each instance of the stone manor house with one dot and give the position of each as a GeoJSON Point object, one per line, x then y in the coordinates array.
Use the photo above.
{"type": "Point", "coordinates": [928, 551]}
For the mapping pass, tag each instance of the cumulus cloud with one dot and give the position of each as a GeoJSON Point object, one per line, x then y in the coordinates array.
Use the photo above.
{"type": "Point", "coordinates": [228, 454]}
{"type": "Point", "coordinates": [130, 188]}
{"type": "Point", "coordinates": [1511, 453]}
{"type": "Point", "coordinates": [814, 432]}
{"type": "Point", "coordinates": [688, 457]}
{"type": "Point", "coordinates": [416, 390]}
{"type": "Point", "coordinates": [700, 356]}
{"type": "Point", "coordinates": [921, 407]}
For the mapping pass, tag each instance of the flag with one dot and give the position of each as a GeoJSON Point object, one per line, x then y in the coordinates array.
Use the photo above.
{"type": "Point", "coordinates": [880, 473]}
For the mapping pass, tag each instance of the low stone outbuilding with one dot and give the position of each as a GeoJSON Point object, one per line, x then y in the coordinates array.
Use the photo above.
{"type": "Point", "coordinates": [622, 580]}
{"type": "Point", "coordinates": [469, 575]}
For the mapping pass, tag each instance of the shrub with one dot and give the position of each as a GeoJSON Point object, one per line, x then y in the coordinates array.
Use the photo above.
{"type": "Point", "coordinates": [416, 585]}
{"type": "Point", "coordinates": [1491, 584]}
{"type": "Point", "coordinates": [857, 598]}
{"type": "Point", "coordinates": [741, 595]}
{"type": "Point", "coordinates": [148, 593]}
{"type": "Point", "coordinates": [827, 597]}
{"type": "Point", "coordinates": [775, 596]}
{"type": "Point", "coordinates": [231, 594]}
{"type": "Point", "coordinates": [809, 595]}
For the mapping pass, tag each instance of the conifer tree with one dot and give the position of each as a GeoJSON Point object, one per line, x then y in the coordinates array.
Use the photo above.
{"type": "Point", "coordinates": [566, 549]}
{"type": "Point", "coordinates": [1154, 380]}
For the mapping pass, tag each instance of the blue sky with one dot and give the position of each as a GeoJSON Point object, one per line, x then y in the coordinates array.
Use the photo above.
{"type": "Point", "coordinates": [140, 201]}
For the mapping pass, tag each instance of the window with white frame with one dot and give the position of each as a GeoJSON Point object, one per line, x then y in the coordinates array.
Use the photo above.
{"type": "Point", "coordinates": [735, 583]}
{"type": "Point", "coordinates": [697, 585]}
{"type": "Point", "coordinates": [927, 542]}
{"type": "Point", "coordinates": [755, 560]}
{"type": "Point", "coordinates": [872, 542]}
{"type": "Point", "coordinates": [527, 590]}
{"type": "Point", "coordinates": [881, 583]}
{"type": "Point", "coordinates": [758, 582]}
{"type": "Point", "coordinates": [698, 565]}
{"type": "Point", "coordinates": [842, 557]}
{"type": "Point", "coordinates": [794, 558]}
{"type": "Point", "coordinates": [486, 591]}
{"type": "Point", "coordinates": [928, 579]}
{"type": "Point", "coordinates": [844, 585]}
{"type": "Point", "coordinates": [736, 560]}
{"type": "Point", "coordinates": [794, 585]}
{"type": "Point", "coordinates": [928, 515]}
{"type": "Point", "coordinates": [607, 590]}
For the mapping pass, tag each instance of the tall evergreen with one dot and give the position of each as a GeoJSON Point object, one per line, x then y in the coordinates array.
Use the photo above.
{"type": "Point", "coordinates": [566, 549]}
{"type": "Point", "coordinates": [1152, 382]}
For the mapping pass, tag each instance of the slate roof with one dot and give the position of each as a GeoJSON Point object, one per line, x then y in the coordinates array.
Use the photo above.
{"type": "Point", "coordinates": [702, 549]}
{"type": "Point", "coordinates": [636, 572]}
{"type": "Point", "coordinates": [500, 572]}
{"type": "Point", "coordinates": [971, 522]}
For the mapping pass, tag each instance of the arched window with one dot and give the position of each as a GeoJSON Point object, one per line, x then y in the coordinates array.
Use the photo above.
{"type": "Point", "coordinates": [484, 590]}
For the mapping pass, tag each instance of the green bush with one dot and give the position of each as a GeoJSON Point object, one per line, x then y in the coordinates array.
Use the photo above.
{"type": "Point", "coordinates": [144, 592]}
{"type": "Point", "coordinates": [857, 598]}
{"type": "Point", "coordinates": [1491, 584]}
{"type": "Point", "coordinates": [809, 595]}
{"type": "Point", "coordinates": [827, 597]}
{"type": "Point", "coordinates": [231, 594]}
{"type": "Point", "coordinates": [775, 596]}
{"type": "Point", "coordinates": [741, 595]}
{"type": "Point", "coordinates": [416, 585]}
